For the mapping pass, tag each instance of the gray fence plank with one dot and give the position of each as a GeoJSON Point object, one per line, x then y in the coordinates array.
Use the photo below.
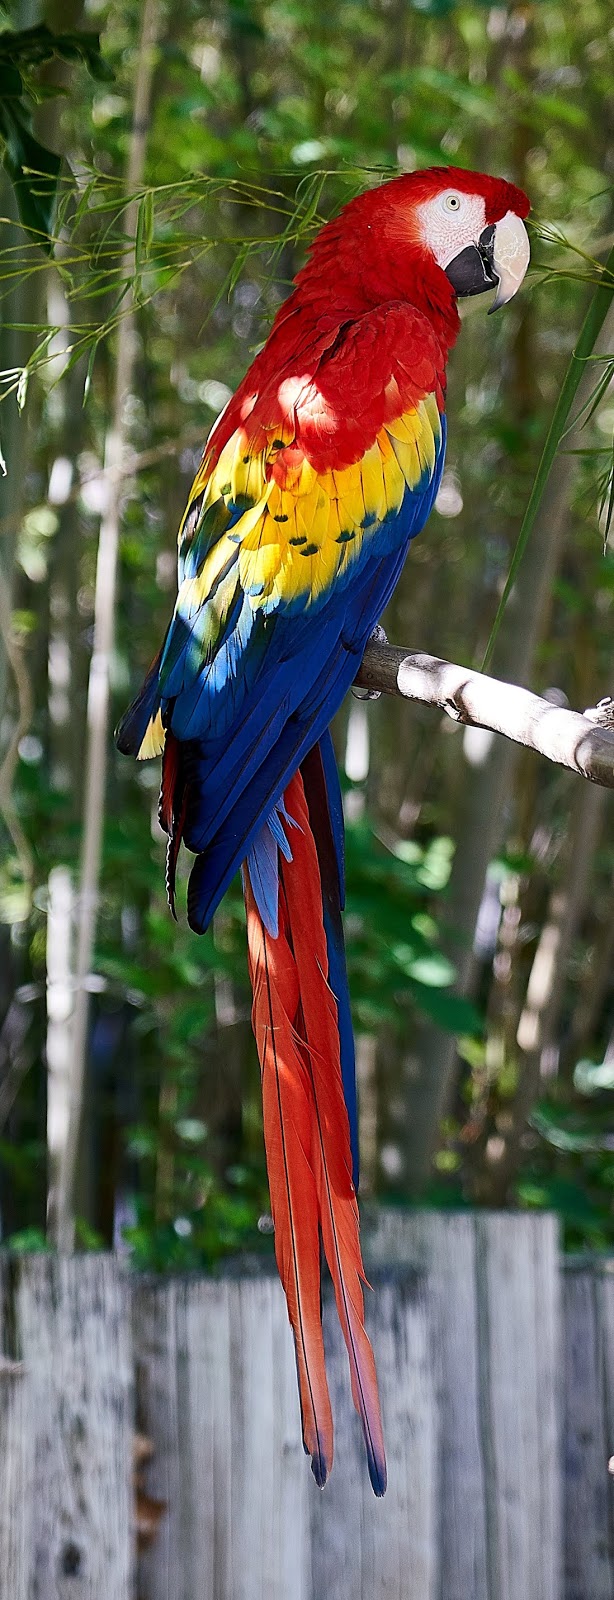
{"type": "Point", "coordinates": [192, 1538]}
{"type": "Point", "coordinates": [270, 1477]}
{"type": "Point", "coordinates": [494, 1279]}
{"type": "Point", "coordinates": [519, 1361]}
{"type": "Point", "coordinates": [16, 1454]}
{"type": "Point", "coordinates": [361, 1546]}
{"type": "Point", "coordinates": [589, 1398]}
{"type": "Point", "coordinates": [443, 1246]}
{"type": "Point", "coordinates": [72, 1328]}
{"type": "Point", "coordinates": [606, 1302]}
{"type": "Point", "coordinates": [217, 1395]}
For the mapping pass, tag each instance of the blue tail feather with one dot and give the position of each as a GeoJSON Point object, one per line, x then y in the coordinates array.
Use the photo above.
{"type": "Point", "coordinates": [323, 797]}
{"type": "Point", "coordinates": [263, 865]}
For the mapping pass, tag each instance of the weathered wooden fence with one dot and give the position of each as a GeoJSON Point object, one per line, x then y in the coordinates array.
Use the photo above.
{"type": "Point", "coordinates": [496, 1363]}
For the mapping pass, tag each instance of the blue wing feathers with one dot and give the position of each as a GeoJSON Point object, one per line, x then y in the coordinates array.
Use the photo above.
{"type": "Point", "coordinates": [131, 730]}
{"type": "Point", "coordinates": [335, 808]}
{"type": "Point", "coordinates": [248, 708]}
{"type": "Point", "coordinates": [221, 822]}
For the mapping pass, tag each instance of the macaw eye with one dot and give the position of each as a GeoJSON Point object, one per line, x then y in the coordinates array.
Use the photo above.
{"type": "Point", "coordinates": [451, 202]}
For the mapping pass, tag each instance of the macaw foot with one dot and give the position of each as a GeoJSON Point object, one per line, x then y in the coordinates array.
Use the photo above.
{"type": "Point", "coordinates": [378, 636]}
{"type": "Point", "coordinates": [602, 713]}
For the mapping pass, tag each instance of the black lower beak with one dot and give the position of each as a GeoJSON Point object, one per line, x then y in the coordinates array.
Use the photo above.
{"type": "Point", "coordinates": [472, 271]}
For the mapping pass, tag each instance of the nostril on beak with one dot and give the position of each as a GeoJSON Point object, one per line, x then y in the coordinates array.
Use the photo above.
{"type": "Point", "coordinates": [486, 245]}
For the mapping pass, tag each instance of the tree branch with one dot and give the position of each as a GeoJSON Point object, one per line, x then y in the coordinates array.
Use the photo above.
{"type": "Point", "coordinates": [569, 738]}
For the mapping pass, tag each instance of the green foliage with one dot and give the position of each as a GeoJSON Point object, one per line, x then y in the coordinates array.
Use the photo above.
{"type": "Point", "coordinates": [394, 961]}
{"type": "Point", "coordinates": [34, 170]}
{"type": "Point", "coordinates": [593, 322]}
{"type": "Point", "coordinates": [222, 1223]}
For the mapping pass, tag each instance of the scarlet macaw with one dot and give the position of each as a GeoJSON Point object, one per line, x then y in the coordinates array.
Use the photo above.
{"type": "Point", "coordinates": [321, 469]}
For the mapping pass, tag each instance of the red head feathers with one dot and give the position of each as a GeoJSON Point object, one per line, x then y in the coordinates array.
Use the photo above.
{"type": "Point", "coordinates": [396, 242]}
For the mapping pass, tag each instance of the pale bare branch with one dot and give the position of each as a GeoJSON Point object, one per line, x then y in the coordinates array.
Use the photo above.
{"type": "Point", "coordinates": [568, 738]}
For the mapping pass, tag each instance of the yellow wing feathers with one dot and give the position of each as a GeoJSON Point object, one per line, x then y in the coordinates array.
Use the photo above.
{"type": "Point", "coordinates": [295, 530]}
{"type": "Point", "coordinates": [263, 523]}
{"type": "Point", "coordinates": [153, 742]}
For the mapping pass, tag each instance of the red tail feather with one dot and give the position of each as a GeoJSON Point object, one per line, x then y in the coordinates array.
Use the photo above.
{"type": "Point", "coordinates": [331, 1144]}
{"type": "Point", "coordinates": [308, 1142]}
{"type": "Point", "coordinates": [286, 1098]}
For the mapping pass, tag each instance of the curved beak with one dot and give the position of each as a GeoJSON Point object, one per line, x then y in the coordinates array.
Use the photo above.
{"type": "Point", "coordinates": [510, 257]}
{"type": "Point", "coordinates": [500, 257]}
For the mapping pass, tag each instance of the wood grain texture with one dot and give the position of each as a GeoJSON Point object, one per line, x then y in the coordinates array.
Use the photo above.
{"type": "Point", "coordinates": [362, 1546]}
{"type": "Point", "coordinates": [518, 1315]}
{"type": "Point", "coordinates": [171, 1347]}
{"type": "Point", "coordinates": [443, 1248]}
{"type": "Point", "coordinates": [217, 1395]}
{"type": "Point", "coordinates": [495, 1344]}
{"type": "Point", "coordinates": [589, 1431]}
{"type": "Point", "coordinates": [16, 1453]}
{"type": "Point", "coordinates": [69, 1481]}
{"type": "Point", "coordinates": [496, 1368]}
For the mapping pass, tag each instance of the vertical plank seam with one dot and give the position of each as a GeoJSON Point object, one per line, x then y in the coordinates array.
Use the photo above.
{"type": "Point", "coordinates": [600, 1294]}
{"type": "Point", "coordinates": [491, 1520]}
{"type": "Point", "coordinates": [541, 1259]}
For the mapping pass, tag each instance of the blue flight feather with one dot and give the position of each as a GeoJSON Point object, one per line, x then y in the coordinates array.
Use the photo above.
{"type": "Point", "coordinates": [263, 864]}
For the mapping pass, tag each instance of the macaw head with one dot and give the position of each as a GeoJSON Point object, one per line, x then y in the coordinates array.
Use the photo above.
{"type": "Point", "coordinates": [428, 237]}
{"type": "Point", "coordinates": [472, 226]}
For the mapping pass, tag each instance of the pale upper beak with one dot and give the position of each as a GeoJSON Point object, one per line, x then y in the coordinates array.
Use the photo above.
{"type": "Point", "coordinates": [510, 257]}
{"type": "Point", "coordinates": [499, 258]}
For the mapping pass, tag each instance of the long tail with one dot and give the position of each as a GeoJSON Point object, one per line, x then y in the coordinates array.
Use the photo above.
{"type": "Point", "coordinates": [301, 1029]}
{"type": "Point", "coordinates": [286, 1099]}
{"type": "Point", "coordinates": [293, 884]}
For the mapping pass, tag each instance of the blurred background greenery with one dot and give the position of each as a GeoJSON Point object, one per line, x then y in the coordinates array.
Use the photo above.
{"type": "Point", "coordinates": [480, 918]}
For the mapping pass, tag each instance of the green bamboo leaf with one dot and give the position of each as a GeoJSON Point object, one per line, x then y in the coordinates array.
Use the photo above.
{"type": "Point", "coordinates": [144, 229]}
{"type": "Point", "coordinates": [22, 388]}
{"type": "Point", "coordinates": [591, 327]}
{"type": "Point", "coordinates": [606, 504]}
{"type": "Point", "coordinates": [34, 172]}
{"type": "Point", "coordinates": [90, 369]}
{"type": "Point", "coordinates": [308, 196]}
{"type": "Point", "coordinates": [237, 268]}
{"type": "Point", "coordinates": [591, 405]}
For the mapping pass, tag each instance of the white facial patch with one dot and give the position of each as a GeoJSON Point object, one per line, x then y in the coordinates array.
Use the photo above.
{"type": "Point", "coordinates": [450, 222]}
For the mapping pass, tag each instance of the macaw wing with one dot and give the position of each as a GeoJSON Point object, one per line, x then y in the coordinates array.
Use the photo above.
{"type": "Point", "coordinates": [274, 540]}
{"type": "Point", "coordinates": [286, 562]}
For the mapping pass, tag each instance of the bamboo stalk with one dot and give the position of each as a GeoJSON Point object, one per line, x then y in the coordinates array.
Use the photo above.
{"type": "Point", "coordinates": [597, 312]}
{"type": "Point", "coordinates": [63, 1218]}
